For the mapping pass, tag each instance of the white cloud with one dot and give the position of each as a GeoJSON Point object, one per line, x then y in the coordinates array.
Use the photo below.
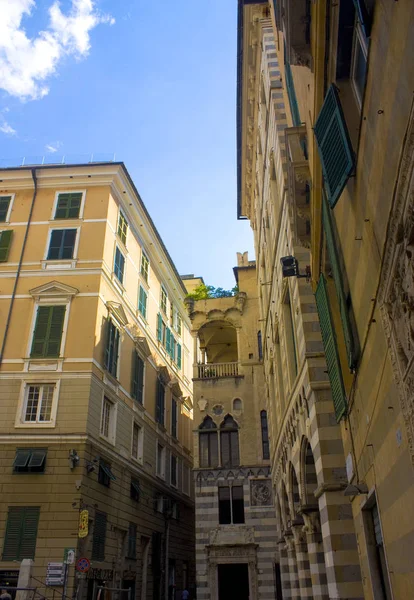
{"type": "Point", "coordinates": [27, 63]}
{"type": "Point", "coordinates": [8, 129]}
{"type": "Point", "coordinates": [53, 147]}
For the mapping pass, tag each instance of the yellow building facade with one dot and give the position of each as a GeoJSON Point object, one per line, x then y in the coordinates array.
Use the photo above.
{"type": "Point", "coordinates": [95, 381]}
{"type": "Point", "coordinates": [325, 130]}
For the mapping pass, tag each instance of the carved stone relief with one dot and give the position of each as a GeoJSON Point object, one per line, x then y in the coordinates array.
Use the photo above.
{"type": "Point", "coordinates": [261, 492]}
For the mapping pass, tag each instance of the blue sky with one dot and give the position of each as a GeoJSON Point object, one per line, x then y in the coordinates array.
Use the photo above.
{"type": "Point", "coordinates": [152, 82]}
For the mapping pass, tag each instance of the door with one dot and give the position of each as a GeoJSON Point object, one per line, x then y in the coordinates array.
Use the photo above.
{"type": "Point", "coordinates": [233, 581]}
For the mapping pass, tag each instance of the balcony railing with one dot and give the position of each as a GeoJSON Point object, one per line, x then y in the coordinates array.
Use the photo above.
{"type": "Point", "coordinates": [218, 370]}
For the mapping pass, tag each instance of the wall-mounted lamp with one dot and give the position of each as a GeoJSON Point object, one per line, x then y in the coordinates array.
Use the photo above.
{"type": "Point", "coordinates": [73, 459]}
{"type": "Point", "coordinates": [290, 268]}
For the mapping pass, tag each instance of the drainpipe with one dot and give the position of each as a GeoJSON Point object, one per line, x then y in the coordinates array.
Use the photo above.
{"type": "Point", "coordinates": [6, 330]}
{"type": "Point", "coordinates": [167, 550]}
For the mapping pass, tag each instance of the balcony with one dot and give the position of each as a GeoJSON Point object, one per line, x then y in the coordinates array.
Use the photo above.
{"type": "Point", "coordinates": [299, 182]}
{"type": "Point", "coordinates": [217, 370]}
{"type": "Point", "coordinates": [296, 16]}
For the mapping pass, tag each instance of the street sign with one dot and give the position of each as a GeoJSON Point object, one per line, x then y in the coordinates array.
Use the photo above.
{"type": "Point", "coordinates": [55, 574]}
{"type": "Point", "coordinates": [83, 523]}
{"type": "Point", "coordinates": [83, 565]}
{"type": "Point", "coordinates": [69, 556]}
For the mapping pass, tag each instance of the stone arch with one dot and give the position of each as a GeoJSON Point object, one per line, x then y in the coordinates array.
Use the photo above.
{"type": "Point", "coordinates": [308, 476]}
{"type": "Point", "coordinates": [294, 492]}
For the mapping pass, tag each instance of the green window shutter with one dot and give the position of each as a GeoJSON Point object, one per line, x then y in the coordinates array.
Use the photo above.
{"type": "Point", "coordinates": [337, 277]}
{"type": "Point", "coordinates": [331, 350]}
{"type": "Point", "coordinates": [68, 206]}
{"type": "Point", "coordinates": [179, 356]}
{"type": "Point", "coordinates": [159, 327]}
{"type": "Point", "coordinates": [5, 241]}
{"type": "Point", "coordinates": [21, 532]}
{"type": "Point", "coordinates": [108, 335]}
{"type": "Point", "coordinates": [142, 302]}
{"type": "Point", "coordinates": [111, 348]}
{"type": "Point", "coordinates": [4, 207]}
{"type": "Point", "coordinates": [334, 146]}
{"type": "Point", "coordinates": [159, 406]}
{"type": "Point", "coordinates": [168, 340]}
{"type": "Point", "coordinates": [99, 537]}
{"type": "Point", "coordinates": [119, 265]}
{"type": "Point", "coordinates": [290, 88]}
{"type": "Point", "coordinates": [173, 345]}
{"type": "Point", "coordinates": [137, 387]}
{"type": "Point", "coordinates": [29, 537]}
{"type": "Point", "coordinates": [47, 335]}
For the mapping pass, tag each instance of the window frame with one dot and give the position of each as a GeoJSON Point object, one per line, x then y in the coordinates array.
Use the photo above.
{"type": "Point", "coordinates": [160, 460]}
{"type": "Point", "coordinates": [173, 457]}
{"type": "Point", "coordinates": [22, 405]}
{"type": "Point", "coordinates": [174, 425]}
{"type": "Point", "coordinates": [131, 550]}
{"type": "Point", "coordinates": [164, 301]}
{"type": "Point", "coordinates": [6, 248]}
{"type": "Point", "coordinates": [10, 207]}
{"type": "Point", "coordinates": [48, 262]}
{"type": "Point", "coordinates": [134, 494]}
{"type": "Point", "coordinates": [144, 271]}
{"type": "Point", "coordinates": [159, 414]}
{"type": "Point", "coordinates": [122, 226]}
{"type": "Point", "coordinates": [360, 39]}
{"type": "Point", "coordinates": [81, 208]}
{"type": "Point", "coordinates": [145, 294]}
{"type": "Point", "coordinates": [231, 504]}
{"type": "Point", "coordinates": [118, 280]}
{"type": "Point", "coordinates": [139, 455]}
{"type": "Point", "coordinates": [111, 437]}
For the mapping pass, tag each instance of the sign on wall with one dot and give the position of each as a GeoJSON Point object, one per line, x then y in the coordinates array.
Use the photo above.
{"type": "Point", "coordinates": [55, 574]}
{"type": "Point", "coordinates": [83, 523]}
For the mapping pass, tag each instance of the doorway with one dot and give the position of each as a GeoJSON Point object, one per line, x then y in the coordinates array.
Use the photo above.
{"type": "Point", "coordinates": [233, 581]}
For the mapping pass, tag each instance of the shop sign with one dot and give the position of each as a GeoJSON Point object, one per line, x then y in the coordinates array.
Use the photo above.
{"type": "Point", "coordinates": [101, 574]}
{"type": "Point", "coordinates": [83, 523]}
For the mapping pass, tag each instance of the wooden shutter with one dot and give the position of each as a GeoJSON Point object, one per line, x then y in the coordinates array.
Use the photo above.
{"type": "Point", "coordinates": [5, 241]}
{"type": "Point", "coordinates": [68, 206]}
{"type": "Point", "coordinates": [160, 397]}
{"type": "Point", "coordinates": [137, 378]}
{"type": "Point", "coordinates": [47, 335]}
{"type": "Point", "coordinates": [112, 348]}
{"type": "Point", "coordinates": [337, 277]}
{"type": "Point", "coordinates": [21, 532]}
{"type": "Point", "coordinates": [334, 146]}
{"type": "Point", "coordinates": [174, 417]}
{"type": "Point", "coordinates": [179, 356]}
{"type": "Point", "coordinates": [132, 540]}
{"type": "Point", "coordinates": [142, 302]}
{"type": "Point", "coordinates": [290, 88]}
{"type": "Point", "coordinates": [159, 327]}
{"type": "Point", "coordinates": [4, 207]}
{"type": "Point", "coordinates": [331, 351]}
{"type": "Point", "coordinates": [99, 537]}
{"type": "Point", "coordinates": [29, 537]}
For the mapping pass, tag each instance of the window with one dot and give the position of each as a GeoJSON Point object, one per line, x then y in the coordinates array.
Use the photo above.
{"type": "Point", "coordinates": [137, 442]}
{"type": "Point", "coordinates": [105, 475]}
{"type": "Point", "coordinates": [186, 480]}
{"type": "Point", "coordinates": [122, 227]}
{"type": "Point", "coordinates": [144, 266]}
{"type": "Point", "coordinates": [5, 204]}
{"type": "Point", "coordinates": [5, 243]}
{"type": "Point", "coordinates": [375, 551]}
{"type": "Point", "coordinates": [290, 88]}
{"type": "Point", "coordinates": [161, 330]}
{"type": "Point", "coordinates": [208, 440]}
{"type": "Point", "coordinates": [179, 362]}
{"type": "Point", "coordinates": [21, 532]}
{"type": "Point", "coordinates": [160, 461]}
{"type": "Point", "coordinates": [259, 345]}
{"type": "Point", "coordinates": [132, 541]}
{"type": "Point", "coordinates": [112, 348]}
{"type": "Point", "coordinates": [179, 324]}
{"type": "Point", "coordinates": [174, 417]}
{"type": "Point", "coordinates": [174, 470]}
{"type": "Point", "coordinates": [135, 489]}
{"type": "Point", "coordinates": [229, 443]}
{"type": "Point", "coordinates": [231, 505]}
{"type": "Point", "coordinates": [137, 385]}
{"type": "Point", "coordinates": [142, 302]}
{"type": "Point", "coordinates": [68, 205]}
{"type": "Point", "coordinates": [163, 300]}
{"type": "Point", "coordinates": [160, 403]}
{"type": "Point", "coordinates": [359, 62]}
{"type": "Point", "coordinates": [38, 403]}
{"type": "Point", "coordinates": [159, 503]}
{"type": "Point", "coordinates": [265, 435]}
{"type": "Point", "coordinates": [290, 338]}
{"type": "Point", "coordinates": [108, 420]}
{"type": "Point", "coordinates": [48, 331]}
{"type": "Point", "coordinates": [119, 265]}
{"type": "Point", "coordinates": [99, 537]}
{"type": "Point", "coordinates": [30, 460]}
{"type": "Point", "coordinates": [62, 244]}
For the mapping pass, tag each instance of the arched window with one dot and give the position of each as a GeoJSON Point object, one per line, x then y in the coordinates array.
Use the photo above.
{"type": "Point", "coordinates": [265, 434]}
{"type": "Point", "coordinates": [237, 404]}
{"type": "Point", "coordinates": [229, 443]}
{"type": "Point", "coordinates": [208, 439]}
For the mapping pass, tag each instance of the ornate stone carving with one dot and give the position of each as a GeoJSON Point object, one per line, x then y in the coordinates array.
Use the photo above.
{"type": "Point", "coordinates": [396, 291]}
{"type": "Point", "coordinates": [231, 535]}
{"type": "Point", "coordinates": [218, 409]}
{"type": "Point", "coordinates": [312, 522]}
{"type": "Point", "coordinates": [202, 404]}
{"type": "Point", "coordinates": [261, 492]}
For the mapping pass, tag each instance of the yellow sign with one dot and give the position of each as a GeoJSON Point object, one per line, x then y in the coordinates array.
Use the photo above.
{"type": "Point", "coordinates": [83, 523]}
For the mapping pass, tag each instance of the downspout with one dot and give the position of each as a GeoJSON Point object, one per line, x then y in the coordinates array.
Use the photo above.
{"type": "Point", "coordinates": [16, 281]}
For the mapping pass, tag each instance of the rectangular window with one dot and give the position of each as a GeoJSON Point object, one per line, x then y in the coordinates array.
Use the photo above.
{"type": "Point", "coordinates": [208, 441]}
{"type": "Point", "coordinates": [21, 532]}
{"type": "Point", "coordinates": [160, 403]}
{"type": "Point", "coordinates": [378, 568]}
{"type": "Point", "coordinates": [174, 470]}
{"type": "Point", "coordinates": [179, 324]}
{"type": "Point", "coordinates": [135, 490]}
{"type": "Point", "coordinates": [62, 244]}
{"type": "Point", "coordinates": [99, 537]}
{"type": "Point", "coordinates": [38, 403]}
{"type": "Point", "coordinates": [142, 302]}
{"type": "Point", "coordinates": [48, 331]}
{"type": "Point", "coordinates": [5, 243]}
{"type": "Point", "coordinates": [105, 475]}
{"type": "Point", "coordinates": [137, 442]}
{"type": "Point", "coordinates": [265, 435]}
{"type": "Point", "coordinates": [174, 417]}
{"type": "Point", "coordinates": [68, 205]}
{"type": "Point", "coordinates": [359, 63]}
{"type": "Point", "coordinates": [122, 227]}
{"type": "Point", "coordinates": [119, 265]}
{"type": "Point", "coordinates": [179, 363]}
{"type": "Point", "coordinates": [144, 266]}
{"type": "Point", "coordinates": [4, 207]}
{"type": "Point", "coordinates": [160, 461]}
{"type": "Point", "coordinates": [231, 505]}
{"type": "Point", "coordinates": [30, 460]}
{"type": "Point", "coordinates": [164, 300]}
{"type": "Point", "coordinates": [186, 480]}
{"type": "Point", "coordinates": [137, 386]}
{"type": "Point", "coordinates": [132, 541]}
{"type": "Point", "coordinates": [112, 348]}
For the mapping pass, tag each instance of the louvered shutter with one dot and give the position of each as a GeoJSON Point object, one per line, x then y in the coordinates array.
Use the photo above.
{"type": "Point", "coordinates": [40, 335]}
{"type": "Point", "coordinates": [14, 529]}
{"type": "Point", "coordinates": [108, 343]}
{"type": "Point", "coordinates": [159, 327]}
{"type": "Point", "coordinates": [290, 88]}
{"type": "Point", "coordinates": [179, 356]}
{"type": "Point", "coordinates": [160, 397]}
{"type": "Point", "coordinates": [114, 366]}
{"type": "Point", "coordinates": [5, 241]}
{"type": "Point", "coordinates": [99, 537]}
{"type": "Point", "coordinates": [29, 537]}
{"type": "Point", "coordinates": [56, 319]}
{"type": "Point", "coordinates": [337, 276]}
{"type": "Point", "coordinates": [334, 146]}
{"type": "Point", "coordinates": [331, 351]}
{"type": "Point", "coordinates": [138, 378]}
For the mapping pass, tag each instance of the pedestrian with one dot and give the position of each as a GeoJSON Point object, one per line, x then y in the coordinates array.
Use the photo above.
{"type": "Point", "coordinates": [185, 595]}
{"type": "Point", "coordinates": [6, 596]}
